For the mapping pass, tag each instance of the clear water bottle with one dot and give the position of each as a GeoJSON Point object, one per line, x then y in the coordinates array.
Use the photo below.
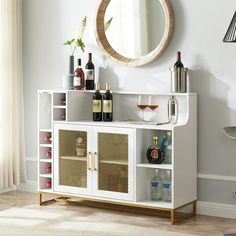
{"type": "Point", "coordinates": [156, 187]}
{"type": "Point", "coordinates": [167, 147]}
{"type": "Point", "coordinates": [167, 187]}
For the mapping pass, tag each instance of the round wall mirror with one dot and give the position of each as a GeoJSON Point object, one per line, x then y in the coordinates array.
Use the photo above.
{"type": "Point", "coordinates": [134, 32]}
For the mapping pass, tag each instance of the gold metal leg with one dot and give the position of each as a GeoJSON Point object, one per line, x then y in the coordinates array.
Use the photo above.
{"type": "Point", "coordinates": [40, 199]}
{"type": "Point", "coordinates": [172, 216]}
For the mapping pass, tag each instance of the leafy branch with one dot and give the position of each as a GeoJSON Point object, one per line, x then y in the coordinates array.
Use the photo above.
{"type": "Point", "coordinates": [78, 42]}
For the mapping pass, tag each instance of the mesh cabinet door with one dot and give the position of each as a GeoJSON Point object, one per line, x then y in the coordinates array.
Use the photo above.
{"type": "Point", "coordinates": [113, 163]}
{"type": "Point", "coordinates": [72, 172]}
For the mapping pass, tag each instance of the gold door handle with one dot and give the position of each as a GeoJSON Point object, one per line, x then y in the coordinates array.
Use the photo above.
{"type": "Point", "coordinates": [95, 161]}
{"type": "Point", "coordinates": [89, 161]}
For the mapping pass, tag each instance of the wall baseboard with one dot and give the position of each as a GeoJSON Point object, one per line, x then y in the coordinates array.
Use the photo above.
{"type": "Point", "coordinates": [7, 189]}
{"type": "Point", "coordinates": [216, 209]}
{"type": "Point", "coordinates": [29, 186]}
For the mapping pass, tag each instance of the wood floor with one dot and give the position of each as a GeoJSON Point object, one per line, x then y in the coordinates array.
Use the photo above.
{"type": "Point", "coordinates": [199, 225]}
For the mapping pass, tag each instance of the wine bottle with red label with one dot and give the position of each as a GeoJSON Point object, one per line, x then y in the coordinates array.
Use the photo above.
{"type": "Point", "coordinates": [154, 154]}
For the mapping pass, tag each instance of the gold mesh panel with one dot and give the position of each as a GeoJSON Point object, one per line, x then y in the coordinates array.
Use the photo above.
{"type": "Point", "coordinates": [113, 162]}
{"type": "Point", "coordinates": [113, 178]}
{"type": "Point", "coordinates": [72, 167]}
{"type": "Point", "coordinates": [73, 173]}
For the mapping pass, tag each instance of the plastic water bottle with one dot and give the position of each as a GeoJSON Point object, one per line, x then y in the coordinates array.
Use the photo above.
{"type": "Point", "coordinates": [167, 187]}
{"type": "Point", "coordinates": [156, 187]}
{"type": "Point", "coordinates": [167, 146]}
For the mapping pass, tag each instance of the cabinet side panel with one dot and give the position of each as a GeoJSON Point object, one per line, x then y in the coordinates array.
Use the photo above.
{"type": "Point", "coordinates": [185, 158]}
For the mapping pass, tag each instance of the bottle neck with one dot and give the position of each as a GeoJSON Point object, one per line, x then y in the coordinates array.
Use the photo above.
{"type": "Point", "coordinates": [178, 56]}
{"type": "Point", "coordinates": [155, 142]}
{"type": "Point", "coordinates": [90, 57]}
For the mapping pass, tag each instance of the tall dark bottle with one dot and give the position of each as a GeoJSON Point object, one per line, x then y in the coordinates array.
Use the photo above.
{"type": "Point", "coordinates": [178, 63]}
{"type": "Point", "coordinates": [89, 71]}
{"type": "Point", "coordinates": [97, 104]}
{"type": "Point", "coordinates": [107, 104]}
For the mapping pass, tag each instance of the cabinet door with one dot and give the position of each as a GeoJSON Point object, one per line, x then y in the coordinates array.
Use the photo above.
{"type": "Point", "coordinates": [72, 159]}
{"type": "Point", "coordinates": [113, 163]}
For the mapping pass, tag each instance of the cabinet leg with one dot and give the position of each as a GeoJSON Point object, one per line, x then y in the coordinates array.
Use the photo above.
{"type": "Point", "coordinates": [194, 208]}
{"type": "Point", "coordinates": [172, 216]}
{"type": "Point", "coordinates": [40, 199]}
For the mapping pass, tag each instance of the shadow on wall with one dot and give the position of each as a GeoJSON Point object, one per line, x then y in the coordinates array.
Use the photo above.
{"type": "Point", "coordinates": [213, 115]}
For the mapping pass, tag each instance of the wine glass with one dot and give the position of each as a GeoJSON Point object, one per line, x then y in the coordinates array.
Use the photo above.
{"type": "Point", "coordinates": [152, 105]}
{"type": "Point", "coordinates": [142, 104]}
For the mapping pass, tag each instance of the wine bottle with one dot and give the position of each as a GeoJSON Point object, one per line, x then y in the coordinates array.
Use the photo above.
{"type": "Point", "coordinates": [154, 153]}
{"type": "Point", "coordinates": [48, 154]}
{"type": "Point", "coordinates": [47, 138]}
{"type": "Point", "coordinates": [97, 105]}
{"type": "Point", "coordinates": [79, 77]}
{"type": "Point", "coordinates": [178, 63]}
{"type": "Point", "coordinates": [107, 105]}
{"type": "Point", "coordinates": [48, 170]}
{"type": "Point", "coordinates": [89, 71]}
{"type": "Point", "coordinates": [172, 110]}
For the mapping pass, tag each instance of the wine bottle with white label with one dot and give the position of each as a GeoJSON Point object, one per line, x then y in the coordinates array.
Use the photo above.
{"type": "Point", "coordinates": [97, 104]}
{"type": "Point", "coordinates": [107, 104]}
{"type": "Point", "coordinates": [89, 71]}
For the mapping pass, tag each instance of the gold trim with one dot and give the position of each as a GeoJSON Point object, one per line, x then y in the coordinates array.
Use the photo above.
{"type": "Point", "coordinates": [95, 161]}
{"type": "Point", "coordinates": [174, 216]}
{"type": "Point", "coordinates": [89, 161]}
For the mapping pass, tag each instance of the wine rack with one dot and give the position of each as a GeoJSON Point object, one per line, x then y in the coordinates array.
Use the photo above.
{"type": "Point", "coordinates": [110, 163]}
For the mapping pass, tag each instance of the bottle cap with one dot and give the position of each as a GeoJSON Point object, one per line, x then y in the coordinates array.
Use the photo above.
{"type": "Point", "coordinates": [97, 87]}
{"type": "Point", "coordinates": [108, 86]}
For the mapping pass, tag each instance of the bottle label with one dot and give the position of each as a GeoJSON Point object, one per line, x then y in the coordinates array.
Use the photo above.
{"type": "Point", "coordinates": [77, 81]}
{"type": "Point", "coordinates": [154, 184]}
{"type": "Point", "coordinates": [154, 154]}
{"type": "Point", "coordinates": [97, 106]}
{"type": "Point", "coordinates": [89, 74]}
{"type": "Point", "coordinates": [107, 106]}
{"type": "Point", "coordinates": [167, 185]}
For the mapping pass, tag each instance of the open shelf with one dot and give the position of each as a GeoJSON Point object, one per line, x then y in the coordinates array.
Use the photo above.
{"type": "Point", "coordinates": [156, 166]}
{"type": "Point", "coordinates": [115, 162]}
{"type": "Point", "coordinates": [158, 204]}
{"type": "Point", "coordinates": [74, 158]}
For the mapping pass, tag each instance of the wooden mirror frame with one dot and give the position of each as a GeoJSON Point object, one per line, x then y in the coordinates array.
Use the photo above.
{"type": "Point", "coordinates": [140, 61]}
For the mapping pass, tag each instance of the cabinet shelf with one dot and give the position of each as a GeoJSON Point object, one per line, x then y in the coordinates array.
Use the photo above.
{"type": "Point", "coordinates": [46, 160]}
{"type": "Point", "coordinates": [156, 166]}
{"type": "Point", "coordinates": [46, 145]}
{"type": "Point", "coordinates": [158, 204]}
{"type": "Point", "coordinates": [45, 130]}
{"type": "Point", "coordinates": [74, 158]}
{"type": "Point", "coordinates": [115, 162]}
{"type": "Point", "coordinates": [60, 106]}
{"type": "Point", "coordinates": [46, 175]}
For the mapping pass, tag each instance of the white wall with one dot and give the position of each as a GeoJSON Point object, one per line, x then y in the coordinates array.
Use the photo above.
{"type": "Point", "coordinates": [199, 30]}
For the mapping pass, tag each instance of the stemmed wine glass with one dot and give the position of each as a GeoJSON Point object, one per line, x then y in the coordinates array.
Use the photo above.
{"type": "Point", "coordinates": [142, 104]}
{"type": "Point", "coordinates": [152, 105]}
